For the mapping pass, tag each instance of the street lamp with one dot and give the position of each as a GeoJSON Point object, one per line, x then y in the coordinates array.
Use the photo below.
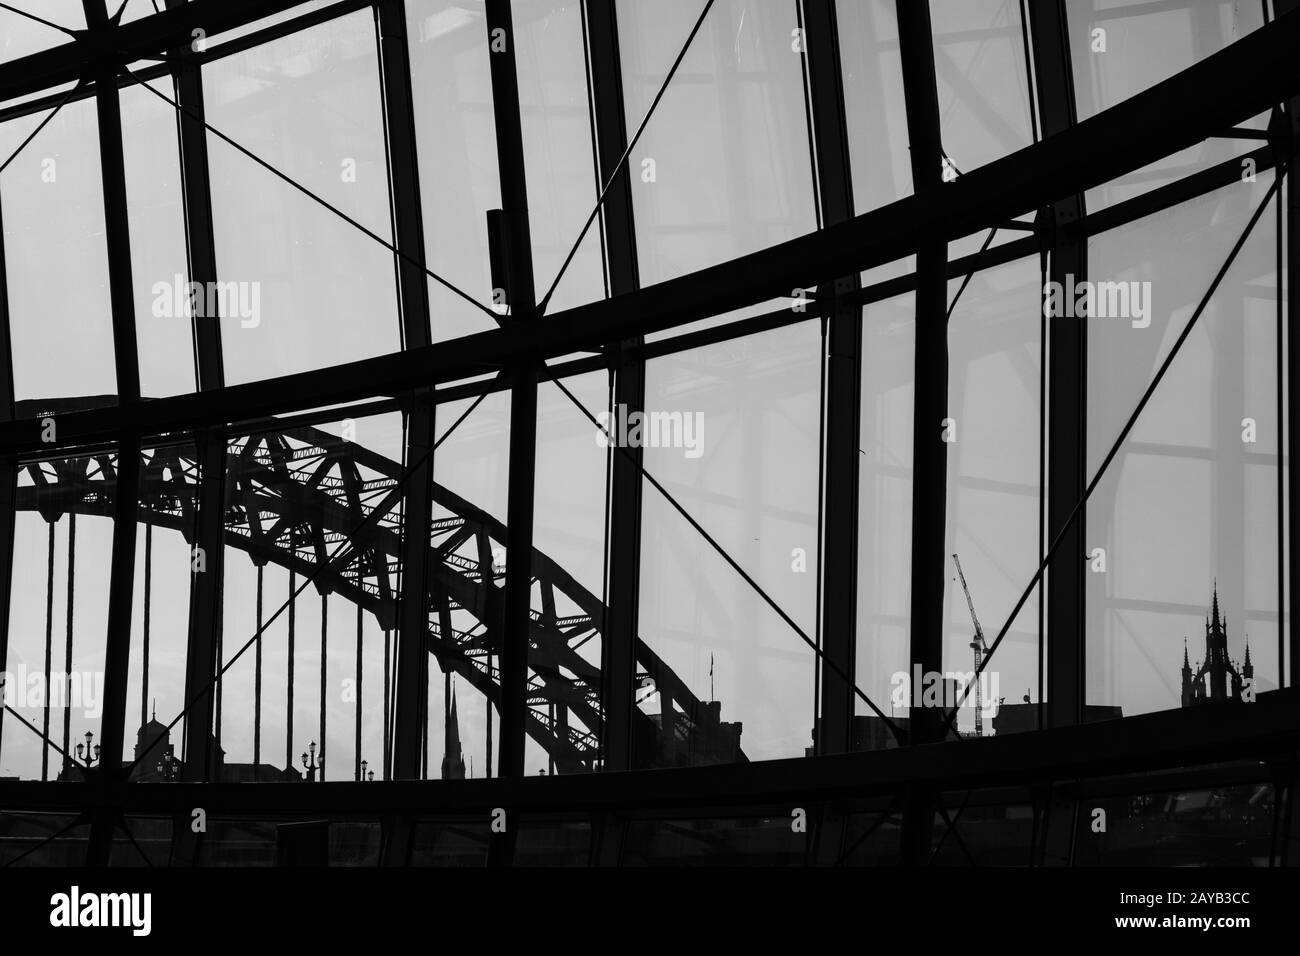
{"type": "Point", "coordinates": [311, 765]}
{"type": "Point", "coordinates": [86, 753]}
{"type": "Point", "coordinates": [169, 766]}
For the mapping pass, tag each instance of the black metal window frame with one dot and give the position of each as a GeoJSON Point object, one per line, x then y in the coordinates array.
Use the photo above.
{"type": "Point", "coordinates": [1046, 179]}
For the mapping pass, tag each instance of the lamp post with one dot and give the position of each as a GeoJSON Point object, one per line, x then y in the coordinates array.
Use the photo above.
{"type": "Point", "coordinates": [311, 765]}
{"type": "Point", "coordinates": [86, 753]}
{"type": "Point", "coordinates": [169, 766]}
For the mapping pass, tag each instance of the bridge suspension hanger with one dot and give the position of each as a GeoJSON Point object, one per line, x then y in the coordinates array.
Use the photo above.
{"type": "Point", "coordinates": [148, 603]}
{"type": "Point", "coordinates": [360, 670]}
{"type": "Point", "coordinates": [257, 683]}
{"type": "Point", "coordinates": [293, 591]}
{"type": "Point", "coordinates": [324, 656]}
{"type": "Point", "coordinates": [72, 589]}
{"type": "Point", "coordinates": [49, 649]}
{"type": "Point", "coordinates": [387, 705]}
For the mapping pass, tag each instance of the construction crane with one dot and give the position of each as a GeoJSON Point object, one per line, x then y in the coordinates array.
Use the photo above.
{"type": "Point", "coordinates": [979, 648]}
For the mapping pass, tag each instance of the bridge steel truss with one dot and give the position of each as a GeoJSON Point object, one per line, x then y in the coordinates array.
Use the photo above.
{"type": "Point", "coordinates": [285, 492]}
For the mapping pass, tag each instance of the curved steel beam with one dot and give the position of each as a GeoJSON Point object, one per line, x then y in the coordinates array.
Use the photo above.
{"type": "Point", "coordinates": [293, 496]}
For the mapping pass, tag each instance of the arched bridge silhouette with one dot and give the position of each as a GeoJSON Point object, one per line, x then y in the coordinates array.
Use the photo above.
{"type": "Point", "coordinates": [292, 496]}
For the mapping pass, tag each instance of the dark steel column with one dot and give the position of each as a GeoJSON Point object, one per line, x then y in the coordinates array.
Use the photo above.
{"type": "Point", "coordinates": [523, 408]}
{"type": "Point", "coordinates": [523, 396]}
{"type": "Point", "coordinates": [929, 452]}
{"type": "Point", "coordinates": [411, 680]}
{"type": "Point", "coordinates": [196, 189]}
{"type": "Point", "coordinates": [201, 659]}
{"type": "Point", "coordinates": [205, 621]}
{"type": "Point", "coordinates": [8, 469]}
{"type": "Point", "coordinates": [842, 401]}
{"type": "Point", "coordinates": [839, 518]}
{"type": "Point", "coordinates": [1067, 354]}
{"type": "Point", "coordinates": [205, 612]}
{"type": "Point", "coordinates": [1291, 226]}
{"type": "Point", "coordinates": [618, 642]}
{"type": "Point", "coordinates": [117, 645]}
{"type": "Point", "coordinates": [410, 714]}
{"type": "Point", "coordinates": [404, 175]}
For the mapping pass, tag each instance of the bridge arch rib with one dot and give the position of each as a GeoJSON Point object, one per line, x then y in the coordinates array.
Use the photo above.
{"type": "Point", "coordinates": [292, 496]}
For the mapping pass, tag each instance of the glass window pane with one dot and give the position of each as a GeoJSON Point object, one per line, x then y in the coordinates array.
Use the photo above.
{"type": "Point", "coordinates": [569, 566]}
{"type": "Point", "coordinates": [873, 102]}
{"type": "Point", "coordinates": [471, 480]}
{"type": "Point", "coordinates": [456, 140]}
{"type": "Point", "coordinates": [1189, 505]}
{"type": "Point", "coordinates": [884, 513]}
{"type": "Point", "coordinates": [979, 64]}
{"type": "Point", "coordinates": [994, 381]}
{"type": "Point", "coordinates": [165, 568]}
{"type": "Point", "coordinates": [722, 674]}
{"type": "Point", "coordinates": [53, 206]}
{"type": "Point", "coordinates": [314, 290]}
{"type": "Point", "coordinates": [723, 166]}
{"type": "Point", "coordinates": [156, 219]}
{"type": "Point", "coordinates": [558, 150]}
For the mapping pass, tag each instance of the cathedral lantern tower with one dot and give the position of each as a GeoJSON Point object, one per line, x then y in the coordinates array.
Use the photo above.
{"type": "Point", "coordinates": [1216, 677]}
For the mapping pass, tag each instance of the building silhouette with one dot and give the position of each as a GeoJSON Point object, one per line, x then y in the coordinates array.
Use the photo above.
{"type": "Point", "coordinates": [1210, 680]}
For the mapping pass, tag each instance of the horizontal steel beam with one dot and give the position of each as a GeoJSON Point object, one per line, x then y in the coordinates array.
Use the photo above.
{"type": "Point", "coordinates": [1229, 731]}
{"type": "Point", "coordinates": [149, 36]}
{"type": "Point", "coordinates": [1228, 87]}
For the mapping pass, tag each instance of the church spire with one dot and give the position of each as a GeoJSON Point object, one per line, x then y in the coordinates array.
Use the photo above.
{"type": "Point", "coordinates": [453, 758]}
{"type": "Point", "coordinates": [1214, 613]}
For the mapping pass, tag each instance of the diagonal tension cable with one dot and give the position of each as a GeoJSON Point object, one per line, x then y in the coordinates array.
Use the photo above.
{"type": "Point", "coordinates": [622, 160]}
{"type": "Point", "coordinates": [732, 562]}
{"type": "Point", "coordinates": [1115, 447]}
{"type": "Point", "coordinates": [313, 196]}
